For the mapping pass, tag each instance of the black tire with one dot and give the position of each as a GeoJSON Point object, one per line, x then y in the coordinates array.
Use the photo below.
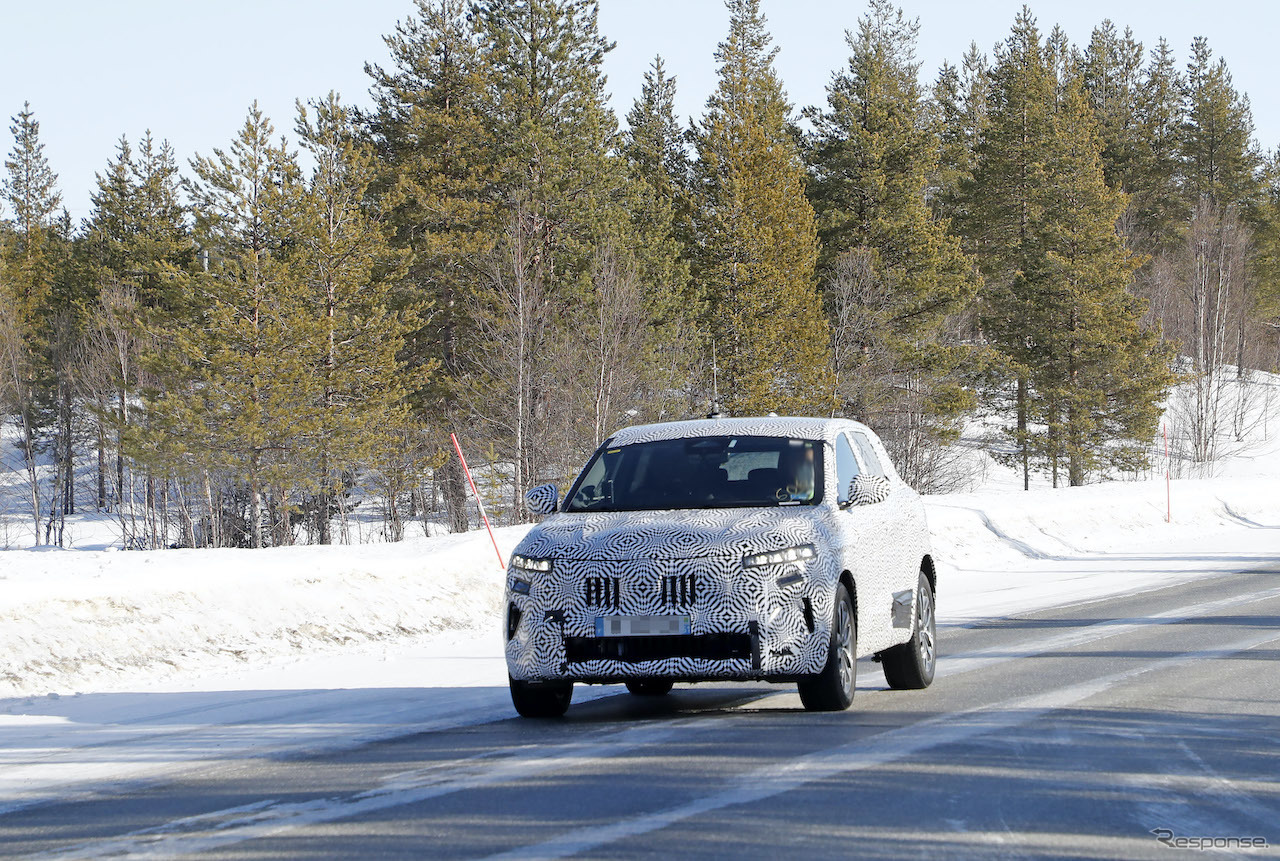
{"type": "Point", "coordinates": [650, 687]}
{"type": "Point", "coordinates": [911, 665]}
{"type": "Point", "coordinates": [541, 699]}
{"type": "Point", "coordinates": [832, 689]}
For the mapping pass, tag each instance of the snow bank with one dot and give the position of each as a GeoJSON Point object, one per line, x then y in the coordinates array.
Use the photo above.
{"type": "Point", "coordinates": [71, 620]}
{"type": "Point", "coordinates": [1013, 552]}
{"type": "Point", "coordinates": [988, 530]}
{"type": "Point", "coordinates": [77, 620]}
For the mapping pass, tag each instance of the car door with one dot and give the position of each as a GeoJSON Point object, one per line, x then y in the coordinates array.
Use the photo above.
{"type": "Point", "coordinates": [866, 532]}
{"type": "Point", "coordinates": [902, 556]}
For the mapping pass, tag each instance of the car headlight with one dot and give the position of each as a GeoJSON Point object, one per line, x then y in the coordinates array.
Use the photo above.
{"type": "Point", "coordinates": [530, 563]}
{"type": "Point", "coordinates": [778, 557]}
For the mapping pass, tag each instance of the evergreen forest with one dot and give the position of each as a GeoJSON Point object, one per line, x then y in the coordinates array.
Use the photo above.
{"type": "Point", "coordinates": [272, 343]}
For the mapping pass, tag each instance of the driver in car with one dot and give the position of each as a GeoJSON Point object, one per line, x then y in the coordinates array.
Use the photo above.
{"type": "Point", "coordinates": [798, 472]}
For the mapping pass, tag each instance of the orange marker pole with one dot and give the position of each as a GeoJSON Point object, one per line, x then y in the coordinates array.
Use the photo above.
{"type": "Point", "coordinates": [479, 501]}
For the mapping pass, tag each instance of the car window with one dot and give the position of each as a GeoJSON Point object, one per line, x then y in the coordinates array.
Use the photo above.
{"type": "Point", "coordinates": [703, 472]}
{"type": "Point", "coordinates": [594, 485]}
{"type": "Point", "coordinates": [869, 459]}
{"type": "Point", "coordinates": [846, 468]}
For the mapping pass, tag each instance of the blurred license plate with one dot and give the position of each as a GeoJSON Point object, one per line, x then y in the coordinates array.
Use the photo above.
{"type": "Point", "coordinates": [641, 626]}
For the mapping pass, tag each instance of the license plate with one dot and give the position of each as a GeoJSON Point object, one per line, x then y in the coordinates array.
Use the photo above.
{"type": "Point", "coordinates": [641, 626]}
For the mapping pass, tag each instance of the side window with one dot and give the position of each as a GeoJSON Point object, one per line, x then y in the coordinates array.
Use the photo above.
{"type": "Point", "coordinates": [594, 487]}
{"type": "Point", "coordinates": [846, 468]}
{"type": "Point", "coordinates": [868, 454]}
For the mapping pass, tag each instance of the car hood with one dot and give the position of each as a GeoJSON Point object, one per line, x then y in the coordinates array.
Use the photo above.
{"type": "Point", "coordinates": [692, 534]}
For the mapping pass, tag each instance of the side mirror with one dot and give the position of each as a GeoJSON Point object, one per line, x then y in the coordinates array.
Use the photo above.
{"type": "Point", "coordinates": [542, 500]}
{"type": "Point", "coordinates": [868, 489]}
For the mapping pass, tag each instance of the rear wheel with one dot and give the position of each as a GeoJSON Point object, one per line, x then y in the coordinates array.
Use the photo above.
{"type": "Point", "coordinates": [832, 689]}
{"type": "Point", "coordinates": [649, 687]}
{"type": "Point", "coordinates": [540, 699]}
{"type": "Point", "coordinates": [910, 666]}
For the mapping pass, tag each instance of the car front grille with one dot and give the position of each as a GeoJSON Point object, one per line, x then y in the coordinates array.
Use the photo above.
{"type": "Point", "coordinates": [680, 590]}
{"type": "Point", "coordinates": [603, 592]}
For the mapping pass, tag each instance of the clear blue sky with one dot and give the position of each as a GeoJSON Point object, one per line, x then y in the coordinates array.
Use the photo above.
{"type": "Point", "coordinates": [95, 70]}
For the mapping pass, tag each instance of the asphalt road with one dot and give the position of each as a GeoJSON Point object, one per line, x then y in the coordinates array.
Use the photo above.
{"type": "Point", "coordinates": [1070, 733]}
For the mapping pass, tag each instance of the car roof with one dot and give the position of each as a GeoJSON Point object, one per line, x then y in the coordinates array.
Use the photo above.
{"type": "Point", "coordinates": [795, 427]}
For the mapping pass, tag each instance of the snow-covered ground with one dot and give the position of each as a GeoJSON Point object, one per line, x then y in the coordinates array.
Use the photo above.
{"type": "Point", "coordinates": [119, 665]}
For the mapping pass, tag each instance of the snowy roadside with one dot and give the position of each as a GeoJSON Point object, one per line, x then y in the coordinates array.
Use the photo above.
{"type": "Point", "coordinates": [1010, 552]}
{"type": "Point", "coordinates": [211, 712]}
{"type": "Point", "coordinates": [153, 662]}
{"type": "Point", "coordinates": [93, 620]}
{"type": "Point", "coordinates": [118, 666]}
{"type": "Point", "coordinates": [102, 620]}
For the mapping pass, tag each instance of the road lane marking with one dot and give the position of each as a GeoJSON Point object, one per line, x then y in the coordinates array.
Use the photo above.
{"type": "Point", "coordinates": [269, 817]}
{"type": "Point", "coordinates": [886, 747]}
{"type": "Point", "coordinates": [207, 831]}
{"type": "Point", "coordinates": [978, 659]}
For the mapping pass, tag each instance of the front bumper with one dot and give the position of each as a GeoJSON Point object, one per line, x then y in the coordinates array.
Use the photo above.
{"type": "Point", "coordinates": [769, 622]}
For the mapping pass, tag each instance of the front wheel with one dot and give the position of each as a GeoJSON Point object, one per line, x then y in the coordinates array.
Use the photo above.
{"type": "Point", "coordinates": [832, 689]}
{"type": "Point", "coordinates": [650, 687]}
{"type": "Point", "coordinates": [910, 666]}
{"type": "Point", "coordinates": [540, 699]}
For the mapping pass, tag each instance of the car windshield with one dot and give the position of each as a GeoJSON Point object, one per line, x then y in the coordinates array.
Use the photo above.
{"type": "Point", "coordinates": [703, 472]}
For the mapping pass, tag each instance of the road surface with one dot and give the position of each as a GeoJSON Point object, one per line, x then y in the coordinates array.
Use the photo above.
{"type": "Point", "coordinates": [1106, 729]}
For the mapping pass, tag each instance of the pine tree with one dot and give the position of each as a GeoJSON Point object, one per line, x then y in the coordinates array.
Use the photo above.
{"type": "Point", "coordinates": [160, 247]}
{"type": "Point", "coordinates": [112, 220]}
{"type": "Point", "coordinates": [553, 133]}
{"type": "Point", "coordinates": [29, 263]}
{"type": "Point", "coordinates": [661, 208]}
{"type": "Point", "coordinates": [569, 206]}
{"type": "Point", "coordinates": [1217, 134]}
{"type": "Point", "coordinates": [31, 190]}
{"type": "Point", "coordinates": [1158, 203]}
{"type": "Point", "coordinates": [31, 186]}
{"type": "Point", "coordinates": [1112, 77]}
{"type": "Point", "coordinates": [959, 113]}
{"type": "Point", "coordinates": [1004, 204]}
{"type": "Point", "coordinates": [343, 251]}
{"type": "Point", "coordinates": [758, 237]}
{"type": "Point", "coordinates": [138, 235]}
{"type": "Point", "coordinates": [1220, 159]}
{"type": "Point", "coordinates": [1087, 377]}
{"type": "Point", "coordinates": [241, 394]}
{"type": "Point", "coordinates": [656, 150]}
{"type": "Point", "coordinates": [1267, 242]}
{"type": "Point", "coordinates": [873, 153]}
{"type": "Point", "coordinates": [139, 248]}
{"type": "Point", "coordinates": [1099, 377]}
{"type": "Point", "coordinates": [439, 178]}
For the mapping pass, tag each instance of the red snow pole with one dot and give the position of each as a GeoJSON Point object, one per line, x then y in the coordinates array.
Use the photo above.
{"type": "Point", "coordinates": [1168, 492]}
{"type": "Point", "coordinates": [479, 501]}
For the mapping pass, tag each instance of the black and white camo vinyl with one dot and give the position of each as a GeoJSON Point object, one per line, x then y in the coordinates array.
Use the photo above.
{"type": "Point", "coordinates": [689, 562]}
{"type": "Point", "coordinates": [542, 498]}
